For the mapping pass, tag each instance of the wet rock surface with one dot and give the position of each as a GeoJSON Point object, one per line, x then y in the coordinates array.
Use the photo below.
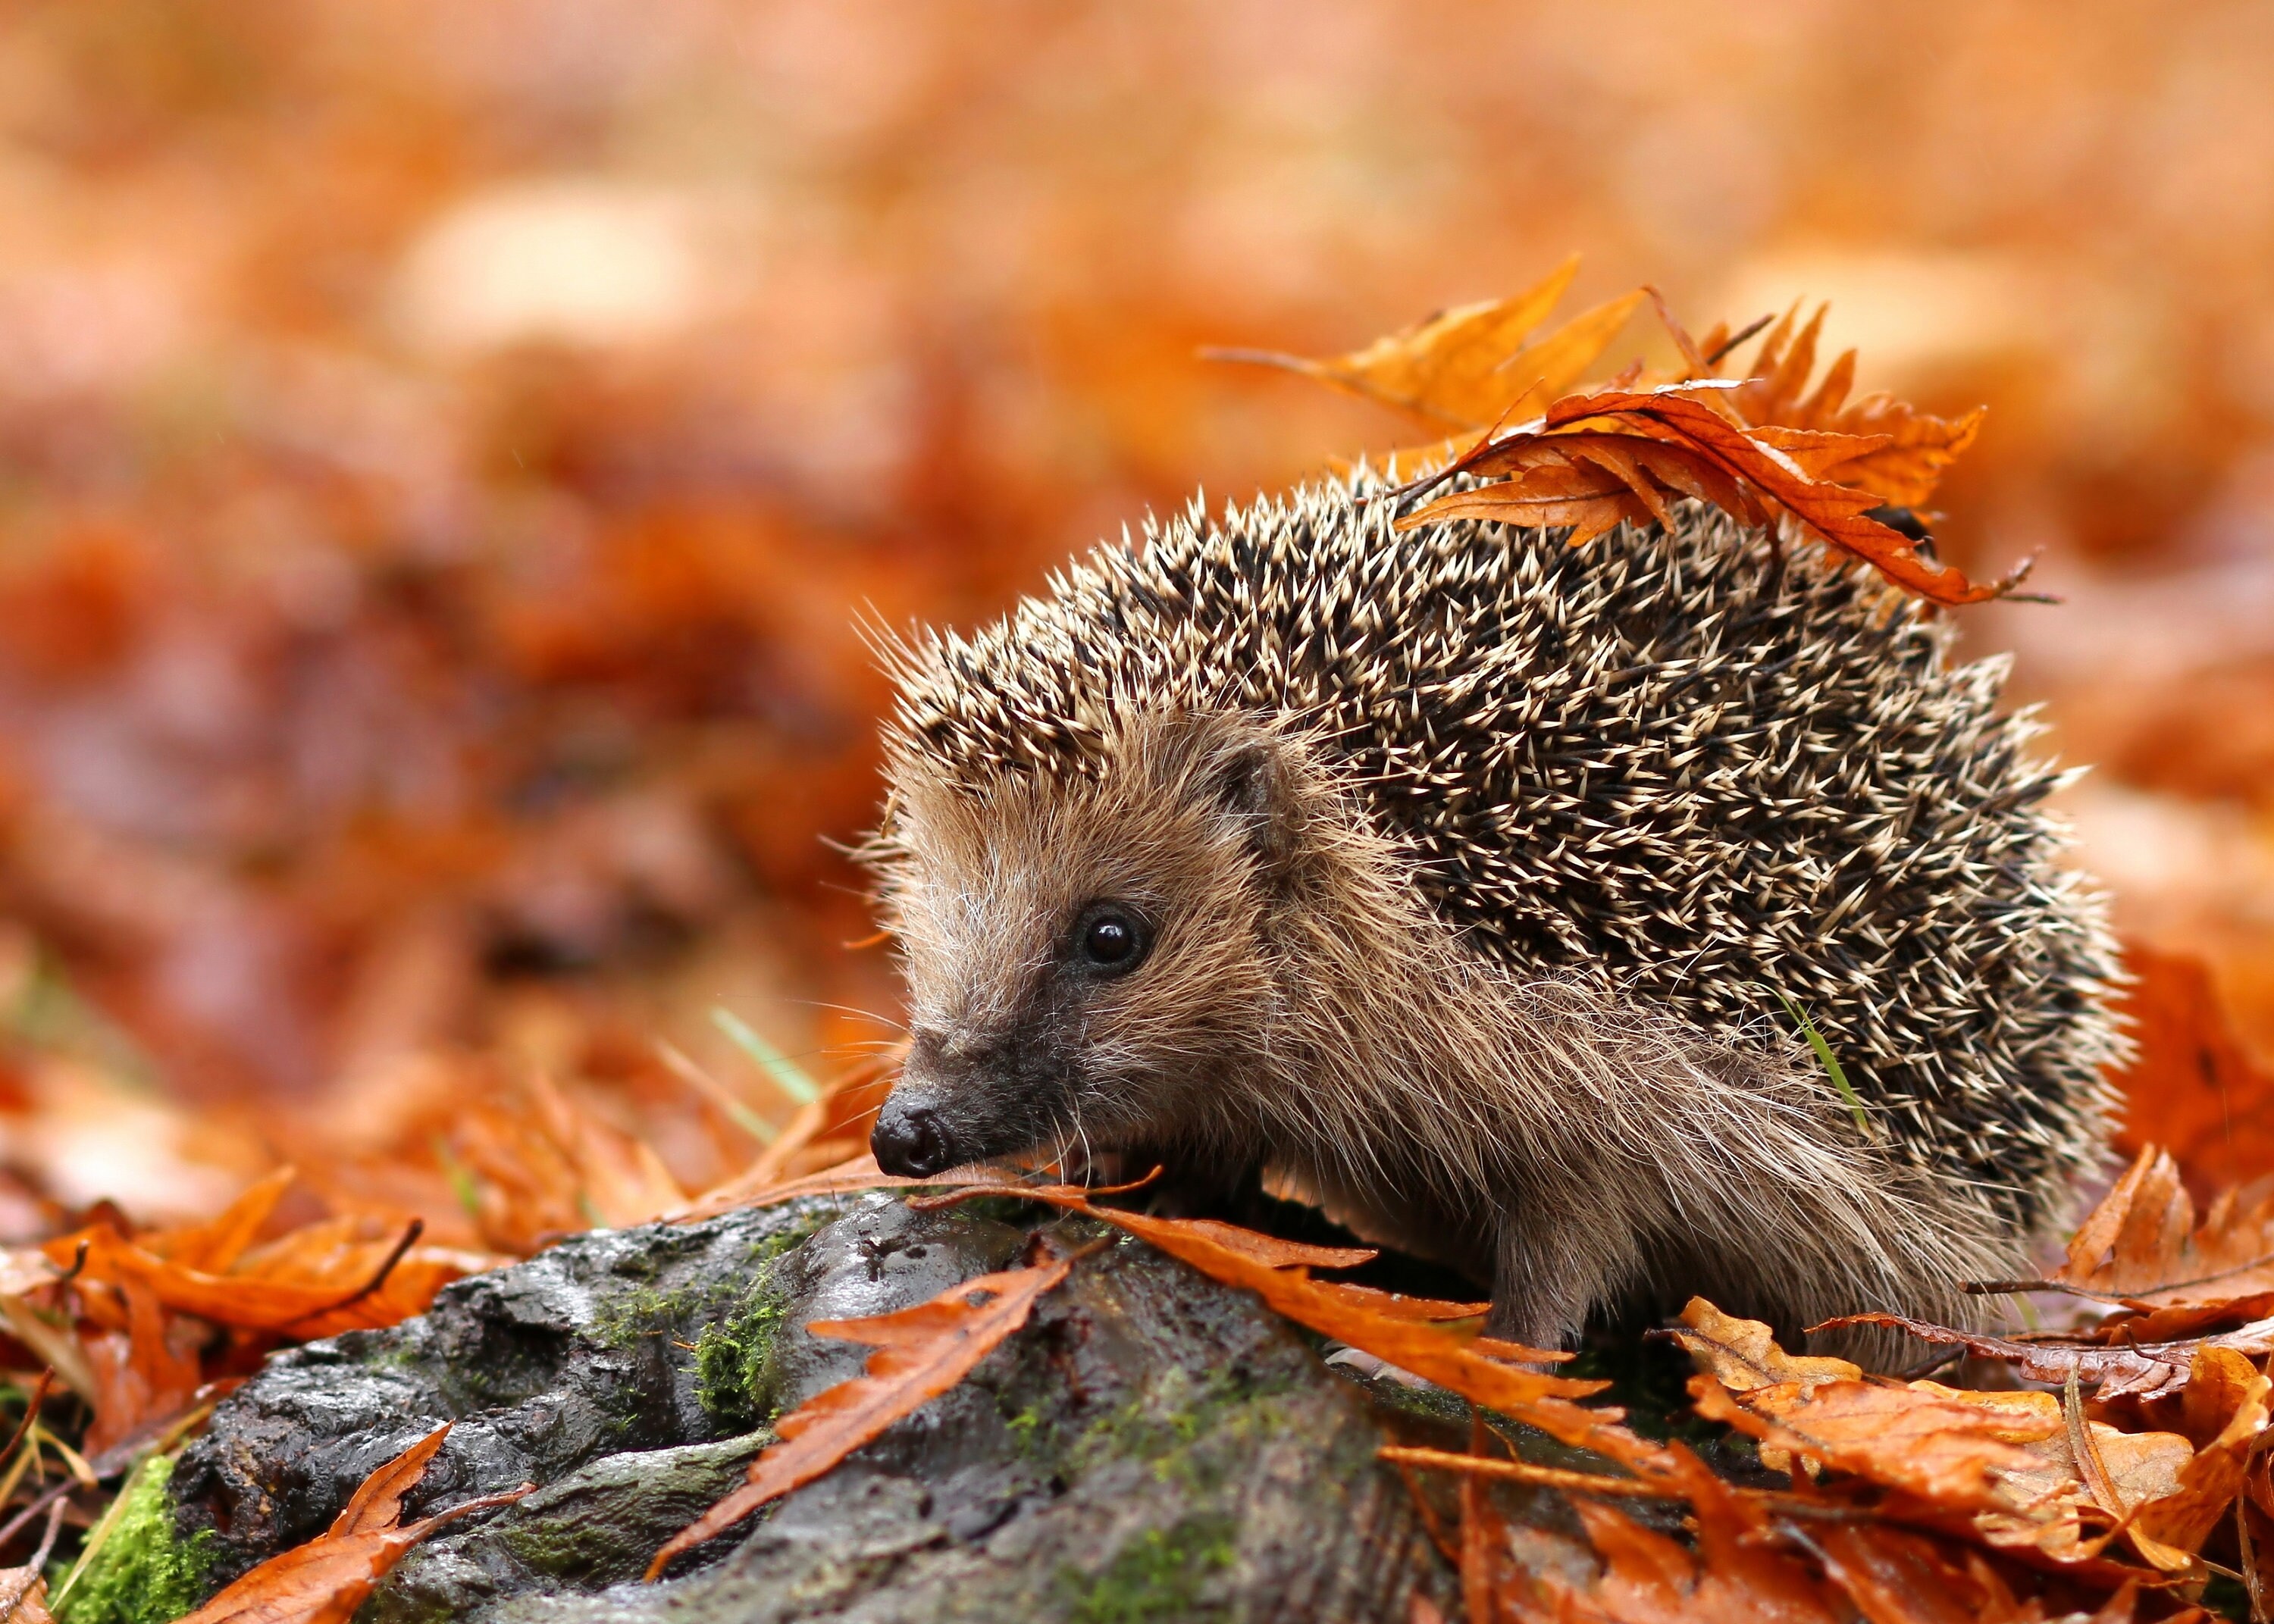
{"type": "Point", "coordinates": [1153, 1446]}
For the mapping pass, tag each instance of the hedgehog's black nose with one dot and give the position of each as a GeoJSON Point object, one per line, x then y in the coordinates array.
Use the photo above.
{"type": "Point", "coordinates": [911, 1141]}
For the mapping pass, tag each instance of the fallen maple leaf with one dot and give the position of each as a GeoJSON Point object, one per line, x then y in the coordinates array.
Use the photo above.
{"type": "Point", "coordinates": [786, 1168]}
{"type": "Point", "coordinates": [922, 1352]}
{"type": "Point", "coordinates": [322, 1282]}
{"type": "Point", "coordinates": [621, 1180]}
{"type": "Point", "coordinates": [2025, 1465]}
{"type": "Point", "coordinates": [2142, 1247]}
{"type": "Point", "coordinates": [325, 1580]}
{"type": "Point", "coordinates": [847, 1178]}
{"type": "Point", "coordinates": [1897, 1576]}
{"type": "Point", "coordinates": [218, 1243]}
{"type": "Point", "coordinates": [1595, 460]}
{"type": "Point", "coordinates": [1737, 1574]}
{"type": "Point", "coordinates": [1396, 1306]}
{"type": "Point", "coordinates": [1743, 1354]}
{"type": "Point", "coordinates": [1945, 1452]}
{"type": "Point", "coordinates": [1926, 1430]}
{"type": "Point", "coordinates": [2171, 1528]}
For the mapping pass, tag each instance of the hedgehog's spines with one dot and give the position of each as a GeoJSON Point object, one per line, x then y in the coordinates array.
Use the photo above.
{"type": "Point", "coordinates": [1594, 757]}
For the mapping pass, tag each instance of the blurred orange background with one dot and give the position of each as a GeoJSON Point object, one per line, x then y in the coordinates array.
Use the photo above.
{"type": "Point", "coordinates": [443, 450]}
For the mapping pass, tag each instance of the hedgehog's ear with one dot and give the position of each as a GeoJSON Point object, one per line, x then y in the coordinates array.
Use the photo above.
{"type": "Point", "coordinates": [1253, 782]}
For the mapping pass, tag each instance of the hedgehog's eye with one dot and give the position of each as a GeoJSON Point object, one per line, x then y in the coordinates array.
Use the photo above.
{"type": "Point", "coordinates": [1110, 939]}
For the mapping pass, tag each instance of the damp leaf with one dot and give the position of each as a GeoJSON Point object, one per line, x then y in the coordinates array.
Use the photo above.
{"type": "Point", "coordinates": [325, 1580]}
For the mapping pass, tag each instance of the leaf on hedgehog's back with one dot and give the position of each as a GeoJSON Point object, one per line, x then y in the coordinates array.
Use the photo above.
{"type": "Point", "coordinates": [1468, 367]}
{"type": "Point", "coordinates": [921, 1353]}
{"type": "Point", "coordinates": [1913, 451]}
{"type": "Point", "coordinates": [1908, 449]}
{"type": "Point", "coordinates": [1594, 460]}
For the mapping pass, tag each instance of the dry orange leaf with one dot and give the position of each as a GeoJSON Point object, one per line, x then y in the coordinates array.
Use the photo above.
{"type": "Point", "coordinates": [1896, 1576]}
{"type": "Point", "coordinates": [791, 1166]}
{"type": "Point", "coordinates": [847, 1178]}
{"type": "Point", "coordinates": [1273, 1252]}
{"type": "Point", "coordinates": [1396, 1306]}
{"type": "Point", "coordinates": [1743, 1354]}
{"type": "Point", "coordinates": [1946, 1452]}
{"type": "Point", "coordinates": [1595, 461]}
{"type": "Point", "coordinates": [1737, 1574]}
{"type": "Point", "coordinates": [217, 1243]}
{"type": "Point", "coordinates": [2121, 1370]}
{"type": "Point", "coordinates": [1477, 1370]}
{"type": "Point", "coordinates": [2025, 1467]}
{"type": "Point", "coordinates": [30, 1589]}
{"type": "Point", "coordinates": [621, 1180]}
{"type": "Point", "coordinates": [1765, 448]}
{"type": "Point", "coordinates": [922, 1352]}
{"type": "Point", "coordinates": [325, 1580]}
{"type": "Point", "coordinates": [322, 1283]}
{"type": "Point", "coordinates": [2170, 1530]}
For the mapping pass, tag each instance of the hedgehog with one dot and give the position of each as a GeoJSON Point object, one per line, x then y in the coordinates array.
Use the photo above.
{"type": "Point", "coordinates": [1483, 889]}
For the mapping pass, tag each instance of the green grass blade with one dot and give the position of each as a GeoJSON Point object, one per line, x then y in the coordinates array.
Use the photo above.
{"type": "Point", "coordinates": [712, 1089]}
{"type": "Point", "coordinates": [1831, 1062]}
{"type": "Point", "coordinates": [772, 1061]}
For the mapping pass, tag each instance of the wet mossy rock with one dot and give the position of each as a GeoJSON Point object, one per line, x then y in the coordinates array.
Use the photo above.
{"type": "Point", "coordinates": [1152, 1447]}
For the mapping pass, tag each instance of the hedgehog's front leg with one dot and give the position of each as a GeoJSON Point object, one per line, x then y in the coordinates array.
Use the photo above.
{"type": "Point", "coordinates": [1556, 1261]}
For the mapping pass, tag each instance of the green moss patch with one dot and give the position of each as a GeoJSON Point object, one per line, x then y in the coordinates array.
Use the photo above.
{"type": "Point", "coordinates": [1159, 1576]}
{"type": "Point", "coordinates": [733, 1360]}
{"type": "Point", "coordinates": [145, 1573]}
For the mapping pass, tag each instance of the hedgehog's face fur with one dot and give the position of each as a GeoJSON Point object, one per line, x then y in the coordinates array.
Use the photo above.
{"type": "Point", "coordinates": [1088, 961]}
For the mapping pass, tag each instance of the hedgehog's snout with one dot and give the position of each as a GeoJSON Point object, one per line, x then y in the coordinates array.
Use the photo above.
{"type": "Point", "coordinates": [912, 1137]}
{"type": "Point", "coordinates": [911, 1140]}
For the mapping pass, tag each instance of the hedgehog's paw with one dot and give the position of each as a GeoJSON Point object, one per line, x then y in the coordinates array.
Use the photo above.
{"type": "Point", "coordinates": [1367, 1367]}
